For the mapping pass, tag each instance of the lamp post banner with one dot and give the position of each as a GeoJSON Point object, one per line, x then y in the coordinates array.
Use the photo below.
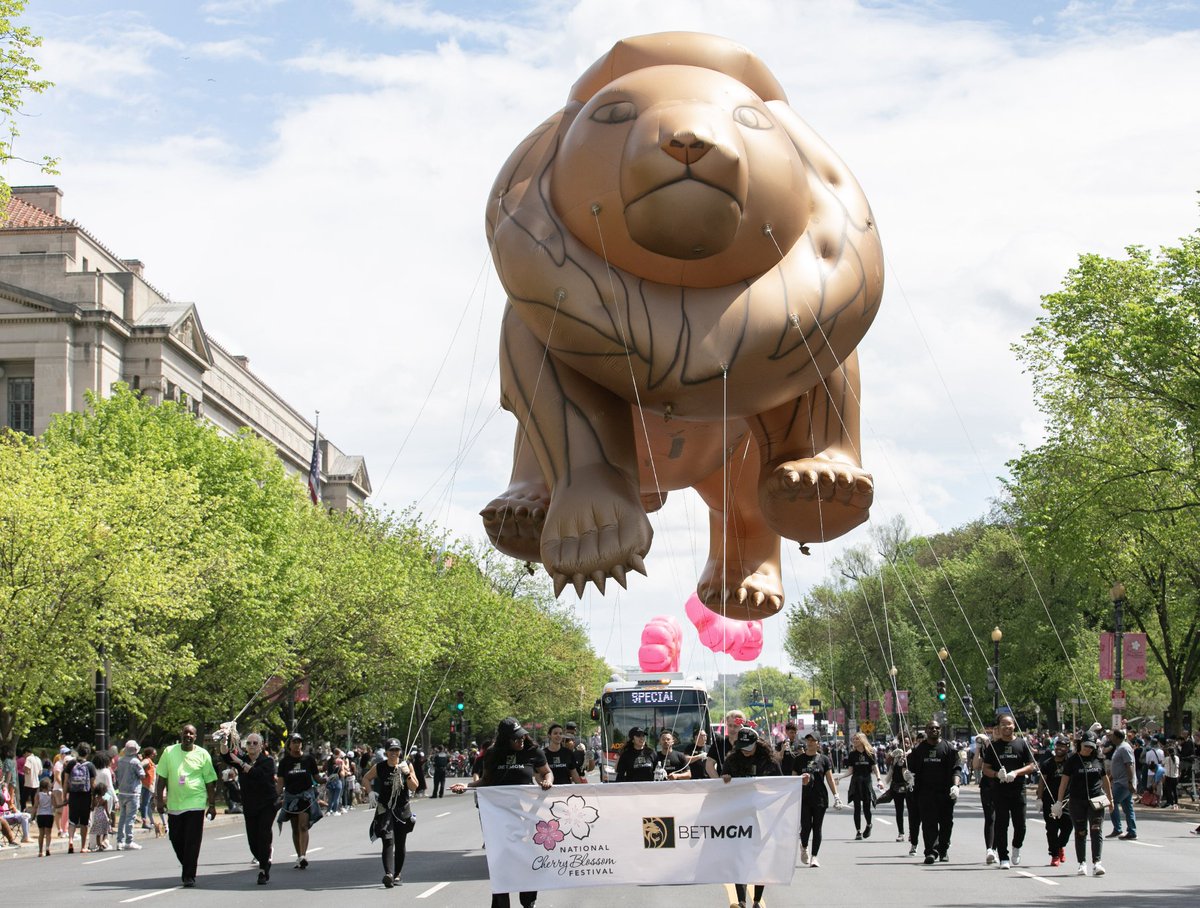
{"type": "Point", "coordinates": [640, 833]}
{"type": "Point", "coordinates": [1134, 650]}
{"type": "Point", "coordinates": [1107, 645]}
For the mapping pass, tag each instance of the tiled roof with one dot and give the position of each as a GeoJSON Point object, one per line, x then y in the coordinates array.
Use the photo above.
{"type": "Point", "coordinates": [20, 213]}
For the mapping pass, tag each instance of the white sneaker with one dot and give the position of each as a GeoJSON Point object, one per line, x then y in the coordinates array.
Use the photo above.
{"type": "Point", "coordinates": [803, 855]}
{"type": "Point", "coordinates": [991, 856]}
{"type": "Point", "coordinates": [132, 846]}
{"type": "Point", "coordinates": [1016, 856]}
{"type": "Point", "coordinates": [1097, 869]}
{"type": "Point", "coordinates": [1006, 864]}
{"type": "Point", "coordinates": [120, 847]}
{"type": "Point", "coordinates": [814, 863]}
{"type": "Point", "coordinates": [901, 837]}
{"type": "Point", "coordinates": [1082, 871]}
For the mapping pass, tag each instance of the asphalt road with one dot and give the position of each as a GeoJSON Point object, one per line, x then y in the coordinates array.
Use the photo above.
{"type": "Point", "coordinates": [446, 868]}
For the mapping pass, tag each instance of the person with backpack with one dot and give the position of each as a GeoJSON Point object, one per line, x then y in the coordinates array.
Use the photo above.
{"type": "Point", "coordinates": [80, 776]}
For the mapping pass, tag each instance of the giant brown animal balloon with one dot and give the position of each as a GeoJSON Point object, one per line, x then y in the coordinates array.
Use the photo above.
{"type": "Point", "coordinates": [689, 270]}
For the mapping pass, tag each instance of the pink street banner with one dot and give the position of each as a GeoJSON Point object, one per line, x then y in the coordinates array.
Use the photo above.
{"type": "Point", "coordinates": [887, 702]}
{"type": "Point", "coordinates": [1108, 643]}
{"type": "Point", "coordinates": [902, 695]}
{"type": "Point", "coordinates": [838, 715]}
{"type": "Point", "coordinates": [873, 710]}
{"type": "Point", "coordinates": [1133, 653]}
{"type": "Point", "coordinates": [639, 833]}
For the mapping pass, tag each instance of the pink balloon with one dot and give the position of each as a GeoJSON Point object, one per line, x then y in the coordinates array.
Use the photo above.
{"type": "Point", "coordinates": [742, 640]}
{"type": "Point", "coordinates": [661, 640]}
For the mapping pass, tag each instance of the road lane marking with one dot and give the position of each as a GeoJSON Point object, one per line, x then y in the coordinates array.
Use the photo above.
{"type": "Point", "coordinates": [1145, 844]}
{"type": "Point", "coordinates": [149, 895]}
{"type": "Point", "coordinates": [102, 860]}
{"type": "Point", "coordinates": [1040, 879]}
{"type": "Point", "coordinates": [428, 892]}
{"type": "Point", "coordinates": [883, 821]}
{"type": "Point", "coordinates": [234, 836]}
{"type": "Point", "coordinates": [474, 854]}
{"type": "Point", "coordinates": [438, 816]}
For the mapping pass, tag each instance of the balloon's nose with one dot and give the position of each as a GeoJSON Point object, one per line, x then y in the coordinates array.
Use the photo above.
{"type": "Point", "coordinates": [686, 147]}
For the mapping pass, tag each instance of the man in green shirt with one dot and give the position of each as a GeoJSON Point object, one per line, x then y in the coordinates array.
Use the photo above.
{"type": "Point", "coordinates": [186, 788]}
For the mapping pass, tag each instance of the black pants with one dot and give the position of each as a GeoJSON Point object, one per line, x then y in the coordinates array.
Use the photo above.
{"type": "Point", "coordinates": [914, 818]}
{"type": "Point", "coordinates": [186, 831]}
{"type": "Point", "coordinates": [1010, 806]}
{"type": "Point", "coordinates": [394, 849]}
{"type": "Point", "coordinates": [987, 800]}
{"type": "Point", "coordinates": [812, 818]}
{"type": "Point", "coordinates": [259, 834]}
{"type": "Point", "coordinates": [1086, 818]}
{"type": "Point", "coordinates": [937, 823]}
{"type": "Point", "coordinates": [898, 801]}
{"type": "Point", "coordinates": [500, 899]}
{"type": "Point", "coordinates": [1058, 832]}
{"type": "Point", "coordinates": [26, 794]}
{"type": "Point", "coordinates": [741, 893]}
{"type": "Point", "coordinates": [439, 785]}
{"type": "Point", "coordinates": [862, 806]}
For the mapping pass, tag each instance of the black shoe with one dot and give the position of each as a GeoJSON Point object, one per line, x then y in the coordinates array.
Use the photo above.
{"type": "Point", "coordinates": [858, 836]}
{"type": "Point", "coordinates": [262, 878]}
{"type": "Point", "coordinates": [388, 882]}
{"type": "Point", "coordinates": [189, 882]}
{"type": "Point", "coordinates": [304, 863]}
{"type": "Point", "coordinates": [1128, 837]}
{"type": "Point", "coordinates": [929, 859]}
{"type": "Point", "coordinates": [867, 832]}
{"type": "Point", "coordinates": [1115, 834]}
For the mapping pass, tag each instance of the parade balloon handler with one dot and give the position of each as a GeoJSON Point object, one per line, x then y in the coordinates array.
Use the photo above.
{"type": "Point", "coordinates": [256, 769]}
{"type": "Point", "coordinates": [864, 783]}
{"type": "Point", "coordinates": [1089, 789]}
{"type": "Point", "coordinates": [637, 761]}
{"type": "Point", "coordinates": [513, 760]}
{"type": "Point", "coordinates": [751, 759]}
{"type": "Point", "coordinates": [296, 782]}
{"type": "Point", "coordinates": [815, 770]}
{"type": "Point", "coordinates": [392, 781]}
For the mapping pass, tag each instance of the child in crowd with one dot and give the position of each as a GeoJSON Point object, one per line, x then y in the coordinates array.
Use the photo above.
{"type": "Point", "coordinates": [102, 809]}
{"type": "Point", "coordinates": [43, 809]}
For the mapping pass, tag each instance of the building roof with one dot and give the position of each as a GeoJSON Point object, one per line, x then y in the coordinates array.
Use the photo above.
{"type": "Point", "coordinates": [20, 214]}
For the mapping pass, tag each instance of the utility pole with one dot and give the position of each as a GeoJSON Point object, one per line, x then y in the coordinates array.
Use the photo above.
{"type": "Point", "coordinates": [1117, 593]}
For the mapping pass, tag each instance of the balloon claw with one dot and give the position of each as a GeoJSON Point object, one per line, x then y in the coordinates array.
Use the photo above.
{"type": "Point", "coordinates": [598, 579]}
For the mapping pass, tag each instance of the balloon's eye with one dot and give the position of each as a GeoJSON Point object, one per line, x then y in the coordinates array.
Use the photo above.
{"type": "Point", "coordinates": [754, 119]}
{"type": "Point", "coordinates": [616, 112]}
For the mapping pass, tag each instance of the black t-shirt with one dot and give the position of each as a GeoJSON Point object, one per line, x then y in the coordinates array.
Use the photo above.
{"type": "Point", "coordinates": [299, 774]}
{"type": "Point", "coordinates": [789, 749]}
{"type": "Point", "coordinates": [1012, 755]}
{"type": "Point", "coordinates": [440, 761]}
{"type": "Point", "coordinates": [1052, 773]}
{"type": "Point", "coordinates": [934, 768]}
{"type": "Point", "coordinates": [1086, 777]}
{"type": "Point", "coordinates": [673, 762]}
{"type": "Point", "coordinates": [635, 765]}
{"type": "Point", "coordinates": [719, 751]}
{"type": "Point", "coordinates": [258, 781]}
{"type": "Point", "coordinates": [741, 765]}
{"type": "Point", "coordinates": [861, 764]}
{"type": "Point", "coordinates": [519, 768]}
{"type": "Point", "coordinates": [561, 762]}
{"type": "Point", "coordinates": [816, 766]}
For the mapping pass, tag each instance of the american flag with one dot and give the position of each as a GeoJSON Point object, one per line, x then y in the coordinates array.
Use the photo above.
{"type": "Point", "coordinates": [314, 473]}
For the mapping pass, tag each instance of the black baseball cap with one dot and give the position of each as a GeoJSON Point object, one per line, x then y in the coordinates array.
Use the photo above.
{"type": "Point", "coordinates": [746, 738]}
{"type": "Point", "coordinates": [637, 730]}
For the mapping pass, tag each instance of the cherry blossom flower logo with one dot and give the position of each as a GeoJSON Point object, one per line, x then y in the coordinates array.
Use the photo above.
{"type": "Point", "coordinates": [548, 834]}
{"type": "Point", "coordinates": [573, 816]}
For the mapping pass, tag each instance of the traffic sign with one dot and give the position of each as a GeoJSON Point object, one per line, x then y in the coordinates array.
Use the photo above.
{"type": "Point", "coordinates": [867, 727]}
{"type": "Point", "coordinates": [1118, 699]}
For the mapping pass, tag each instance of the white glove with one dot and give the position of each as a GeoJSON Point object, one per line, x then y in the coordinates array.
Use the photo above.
{"type": "Point", "coordinates": [908, 778]}
{"type": "Point", "coordinates": [1056, 810]}
{"type": "Point", "coordinates": [953, 792]}
{"type": "Point", "coordinates": [837, 803]}
{"type": "Point", "coordinates": [403, 767]}
{"type": "Point", "coordinates": [1002, 775]}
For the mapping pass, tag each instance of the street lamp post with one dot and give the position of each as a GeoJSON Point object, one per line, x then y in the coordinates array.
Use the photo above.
{"type": "Point", "coordinates": [1117, 594]}
{"type": "Point", "coordinates": [895, 702]}
{"type": "Point", "coordinates": [996, 635]}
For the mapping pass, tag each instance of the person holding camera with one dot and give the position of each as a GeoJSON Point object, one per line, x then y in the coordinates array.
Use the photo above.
{"type": "Point", "coordinates": [392, 781]}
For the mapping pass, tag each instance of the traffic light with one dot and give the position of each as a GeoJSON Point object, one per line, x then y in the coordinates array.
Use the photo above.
{"type": "Point", "coordinates": [793, 710]}
{"type": "Point", "coordinates": [968, 703]}
{"type": "Point", "coordinates": [941, 691]}
{"type": "Point", "coordinates": [459, 701]}
{"type": "Point", "coordinates": [453, 726]}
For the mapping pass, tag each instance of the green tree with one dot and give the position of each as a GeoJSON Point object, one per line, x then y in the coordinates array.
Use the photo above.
{"type": "Point", "coordinates": [18, 71]}
{"type": "Point", "coordinates": [1113, 494]}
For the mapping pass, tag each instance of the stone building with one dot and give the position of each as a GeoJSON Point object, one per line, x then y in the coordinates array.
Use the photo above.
{"type": "Point", "coordinates": [75, 317]}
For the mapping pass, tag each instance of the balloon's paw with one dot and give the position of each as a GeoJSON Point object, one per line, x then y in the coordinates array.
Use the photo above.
{"type": "Point", "coordinates": [514, 520]}
{"type": "Point", "coordinates": [595, 529]}
{"type": "Point", "coordinates": [815, 498]}
{"type": "Point", "coordinates": [742, 593]}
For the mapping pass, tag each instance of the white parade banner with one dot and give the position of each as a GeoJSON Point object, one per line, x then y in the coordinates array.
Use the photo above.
{"type": "Point", "coordinates": [625, 833]}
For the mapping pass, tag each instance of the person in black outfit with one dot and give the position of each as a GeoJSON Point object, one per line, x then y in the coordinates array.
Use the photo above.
{"type": "Point", "coordinates": [296, 782]}
{"type": "Point", "coordinates": [636, 763]}
{"type": "Point", "coordinates": [256, 771]}
{"type": "Point", "coordinates": [440, 763]}
{"type": "Point", "coordinates": [513, 760]}
{"type": "Point", "coordinates": [1058, 829]}
{"type": "Point", "coordinates": [392, 781]}
{"type": "Point", "coordinates": [815, 770]}
{"type": "Point", "coordinates": [789, 748]}
{"type": "Point", "coordinates": [1008, 761]}
{"type": "Point", "coordinates": [1086, 780]}
{"type": "Point", "coordinates": [934, 765]}
{"type": "Point", "coordinates": [562, 759]}
{"type": "Point", "coordinates": [669, 762]}
{"type": "Point", "coordinates": [751, 758]}
{"type": "Point", "coordinates": [723, 745]}
{"type": "Point", "coordinates": [864, 776]}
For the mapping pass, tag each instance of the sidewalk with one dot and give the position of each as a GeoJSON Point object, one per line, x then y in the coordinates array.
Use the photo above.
{"type": "Point", "coordinates": [141, 836]}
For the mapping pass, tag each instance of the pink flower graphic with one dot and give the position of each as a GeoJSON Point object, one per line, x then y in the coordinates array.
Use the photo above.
{"type": "Point", "coordinates": [548, 834]}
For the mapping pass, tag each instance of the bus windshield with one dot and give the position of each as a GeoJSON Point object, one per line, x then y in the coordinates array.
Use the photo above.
{"type": "Point", "coordinates": [679, 710]}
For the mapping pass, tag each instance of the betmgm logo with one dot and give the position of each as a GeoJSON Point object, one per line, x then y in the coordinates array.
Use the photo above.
{"type": "Point", "coordinates": [658, 832]}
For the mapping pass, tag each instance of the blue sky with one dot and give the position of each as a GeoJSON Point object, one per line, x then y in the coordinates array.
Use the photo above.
{"type": "Point", "coordinates": [312, 176]}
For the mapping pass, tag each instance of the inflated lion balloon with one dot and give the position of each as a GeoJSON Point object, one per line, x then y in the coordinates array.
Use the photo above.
{"type": "Point", "coordinates": [689, 269]}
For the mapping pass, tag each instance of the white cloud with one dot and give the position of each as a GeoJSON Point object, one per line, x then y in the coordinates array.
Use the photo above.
{"type": "Point", "coordinates": [991, 161]}
{"type": "Point", "coordinates": [232, 49]}
{"type": "Point", "coordinates": [235, 12]}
